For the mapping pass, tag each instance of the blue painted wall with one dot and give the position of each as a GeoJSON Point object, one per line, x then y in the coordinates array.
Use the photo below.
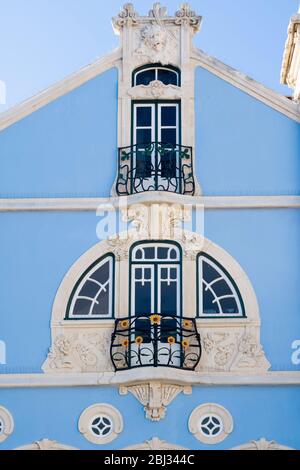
{"type": "Point", "coordinates": [37, 249]}
{"type": "Point", "coordinates": [270, 412]}
{"type": "Point", "coordinates": [65, 149]}
{"type": "Point", "coordinates": [243, 147]}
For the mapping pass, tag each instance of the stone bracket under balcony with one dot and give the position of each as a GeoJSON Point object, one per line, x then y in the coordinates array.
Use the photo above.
{"type": "Point", "coordinates": [155, 396]}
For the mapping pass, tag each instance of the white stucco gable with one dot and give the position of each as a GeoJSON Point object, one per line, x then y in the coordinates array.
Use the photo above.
{"type": "Point", "coordinates": [196, 58]}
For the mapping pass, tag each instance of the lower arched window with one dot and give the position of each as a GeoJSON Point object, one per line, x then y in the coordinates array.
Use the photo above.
{"type": "Point", "coordinates": [93, 294]}
{"type": "Point", "coordinates": [218, 294]}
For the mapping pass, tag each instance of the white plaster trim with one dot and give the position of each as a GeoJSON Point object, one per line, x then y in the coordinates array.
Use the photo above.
{"type": "Point", "coordinates": [59, 89]}
{"type": "Point", "coordinates": [206, 410]}
{"type": "Point", "coordinates": [248, 85]}
{"type": "Point", "coordinates": [114, 379]}
{"type": "Point", "coordinates": [100, 409]}
{"type": "Point", "coordinates": [8, 424]}
{"type": "Point", "coordinates": [92, 204]}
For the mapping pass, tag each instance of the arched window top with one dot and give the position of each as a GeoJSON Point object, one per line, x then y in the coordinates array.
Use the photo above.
{"type": "Point", "coordinates": [168, 75]}
{"type": "Point", "coordinates": [92, 296]}
{"type": "Point", "coordinates": [168, 252]}
{"type": "Point", "coordinates": [218, 294]}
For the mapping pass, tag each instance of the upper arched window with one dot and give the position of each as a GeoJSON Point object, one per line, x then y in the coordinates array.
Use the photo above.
{"type": "Point", "coordinates": [92, 297]}
{"type": "Point", "coordinates": [218, 295]}
{"type": "Point", "coordinates": [168, 75]}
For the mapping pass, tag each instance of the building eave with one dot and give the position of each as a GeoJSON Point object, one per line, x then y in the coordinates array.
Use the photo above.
{"type": "Point", "coordinates": [68, 84]}
{"type": "Point", "coordinates": [248, 85]}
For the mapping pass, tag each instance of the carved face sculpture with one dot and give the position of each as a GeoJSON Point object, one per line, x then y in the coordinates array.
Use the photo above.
{"type": "Point", "coordinates": [155, 37]}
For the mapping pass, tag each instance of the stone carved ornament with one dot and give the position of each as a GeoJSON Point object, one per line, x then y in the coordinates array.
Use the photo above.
{"type": "Point", "coordinates": [155, 90]}
{"type": "Point", "coordinates": [155, 397]}
{"type": "Point", "coordinates": [46, 444]}
{"type": "Point", "coordinates": [262, 444]}
{"type": "Point", "coordinates": [155, 444]}
{"type": "Point", "coordinates": [233, 350]}
{"type": "Point", "coordinates": [80, 352]}
{"type": "Point", "coordinates": [157, 43]}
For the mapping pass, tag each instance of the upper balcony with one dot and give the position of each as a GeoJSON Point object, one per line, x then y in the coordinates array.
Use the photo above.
{"type": "Point", "coordinates": [155, 166]}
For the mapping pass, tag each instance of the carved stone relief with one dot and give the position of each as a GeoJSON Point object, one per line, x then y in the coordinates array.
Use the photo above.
{"type": "Point", "coordinates": [155, 397]}
{"type": "Point", "coordinates": [80, 352]}
{"type": "Point", "coordinates": [231, 349]}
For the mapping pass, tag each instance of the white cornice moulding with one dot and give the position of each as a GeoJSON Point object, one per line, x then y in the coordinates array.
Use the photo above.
{"type": "Point", "coordinates": [140, 376]}
{"type": "Point", "coordinates": [59, 89]}
{"type": "Point", "coordinates": [269, 97]}
{"type": "Point", "coordinates": [92, 204]}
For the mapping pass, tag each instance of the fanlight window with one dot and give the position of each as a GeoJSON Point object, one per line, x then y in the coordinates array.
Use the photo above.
{"type": "Point", "coordinates": [156, 252]}
{"type": "Point", "coordinates": [92, 297]}
{"type": "Point", "coordinates": [166, 75]}
{"type": "Point", "coordinates": [218, 294]}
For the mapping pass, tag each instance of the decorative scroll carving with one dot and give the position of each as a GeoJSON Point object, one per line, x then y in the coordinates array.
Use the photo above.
{"type": "Point", "coordinates": [155, 397]}
{"type": "Point", "coordinates": [155, 444]}
{"type": "Point", "coordinates": [186, 16]}
{"type": "Point", "coordinates": [80, 352]}
{"type": "Point", "coordinates": [46, 444]}
{"type": "Point", "coordinates": [155, 90]}
{"type": "Point", "coordinates": [127, 17]}
{"type": "Point", "coordinates": [262, 444]}
{"type": "Point", "coordinates": [232, 350]}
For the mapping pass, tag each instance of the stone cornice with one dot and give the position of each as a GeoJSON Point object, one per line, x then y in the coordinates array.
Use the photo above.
{"type": "Point", "coordinates": [253, 88]}
{"type": "Point", "coordinates": [59, 89]}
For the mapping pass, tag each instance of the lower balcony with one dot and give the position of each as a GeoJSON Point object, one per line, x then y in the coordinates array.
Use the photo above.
{"type": "Point", "coordinates": [155, 341]}
{"type": "Point", "coordinates": [155, 166]}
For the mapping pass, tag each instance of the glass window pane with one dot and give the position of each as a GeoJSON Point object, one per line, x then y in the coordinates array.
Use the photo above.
{"type": "Point", "coordinates": [221, 288]}
{"type": "Point", "coordinates": [168, 77]}
{"type": "Point", "coordinates": [168, 115]}
{"type": "Point", "coordinates": [143, 136]}
{"type": "Point", "coordinates": [149, 253]}
{"type": "Point", "coordinates": [229, 306]}
{"type": "Point", "coordinates": [209, 273]}
{"type": "Point", "coordinates": [168, 298]}
{"type": "Point", "coordinates": [145, 77]}
{"type": "Point", "coordinates": [143, 116]}
{"type": "Point", "coordinates": [209, 307]}
{"type": "Point", "coordinates": [168, 136]}
{"type": "Point", "coordinates": [162, 253]}
{"type": "Point", "coordinates": [82, 307]}
{"type": "Point", "coordinates": [143, 329]}
{"type": "Point", "coordinates": [168, 328]}
{"type": "Point", "coordinates": [143, 165]}
{"type": "Point", "coordinates": [142, 298]}
{"type": "Point", "coordinates": [90, 289]}
{"type": "Point", "coordinates": [168, 165]}
{"type": "Point", "coordinates": [101, 307]}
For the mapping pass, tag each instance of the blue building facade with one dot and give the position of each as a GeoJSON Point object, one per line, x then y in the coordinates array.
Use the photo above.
{"type": "Point", "coordinates": [149, 253]}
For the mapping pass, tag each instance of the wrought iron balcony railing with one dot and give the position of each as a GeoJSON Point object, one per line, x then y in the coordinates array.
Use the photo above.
{"type": "Point", "coordinates": [155, 167]}
{"type": "Point", "coordinates": [155, 341]}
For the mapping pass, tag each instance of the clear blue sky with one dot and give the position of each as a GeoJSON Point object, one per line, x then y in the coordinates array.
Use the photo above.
{"type": "Point", "coordinates": [42, 41]}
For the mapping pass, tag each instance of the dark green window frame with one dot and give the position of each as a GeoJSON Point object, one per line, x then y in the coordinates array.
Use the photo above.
{"type": "Point", "coordinates": [200, 314]}
{"type": "Point", "coordinates": [86, 272]}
